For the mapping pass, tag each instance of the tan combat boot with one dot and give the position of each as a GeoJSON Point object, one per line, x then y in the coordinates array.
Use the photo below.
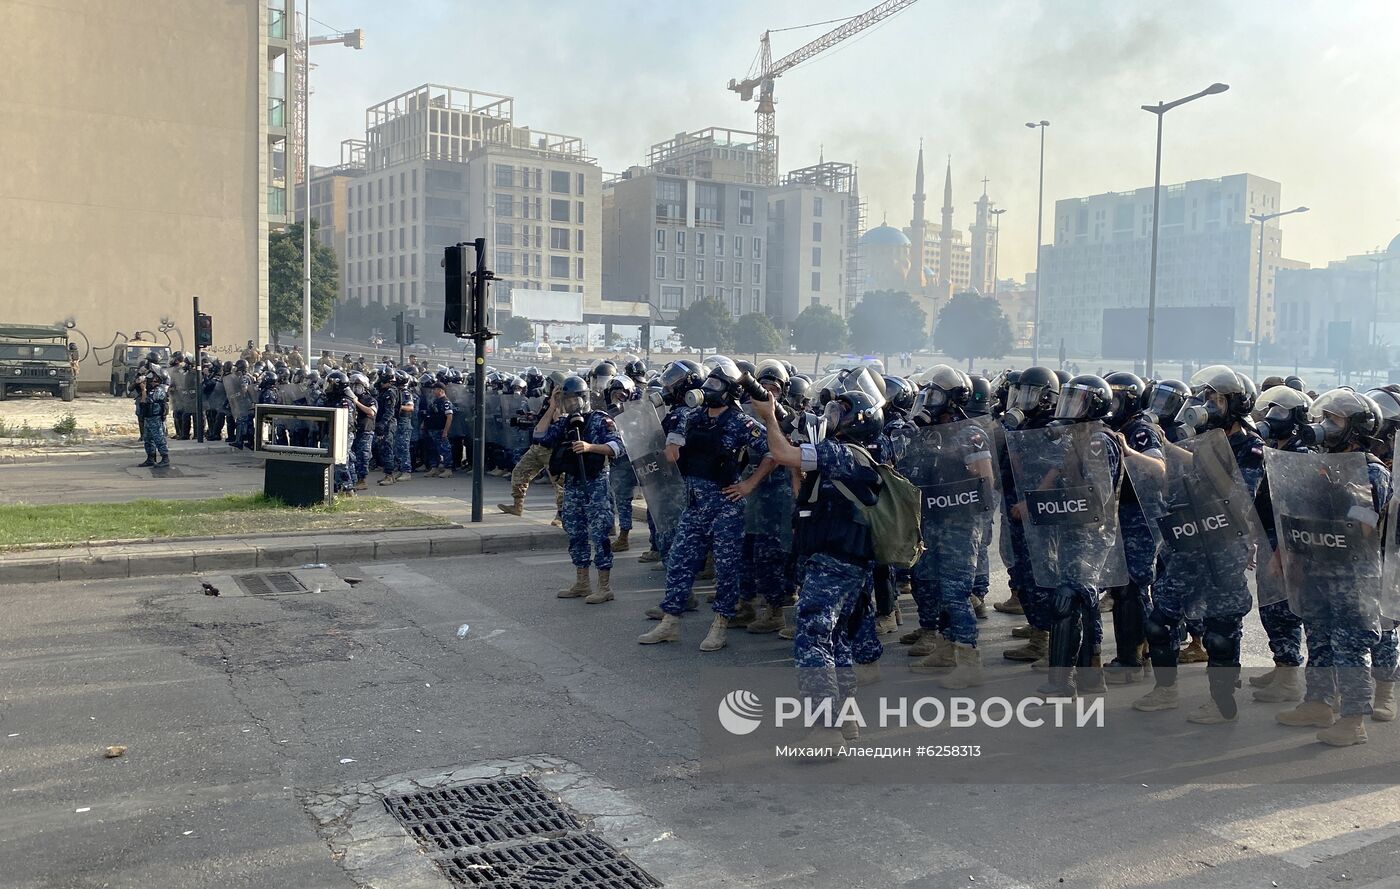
{"type": "Point", "coordinates": [604, 592]}
{"type": "Point", "coordinates": [867, 674]}
{"type": "Point", "coordinates": [650, 555]}
{"type": "Point", "coordinates": [388, 479]}
{"type": "Point", "coordinates": [1383, 708]}
{"type": "Point", "coordinates": [1349, 730]}
{"type": "Point", "coordinates": [770, 622]}
{"type": "Point", "coordinates": [669, 630]}
{"type": "Point", "coordinates": [580, 587]}
{"type": "Point", "coordinates": [1263, 680]}
{"type": "Point", "coordinates": [714, 640]}
{"type": "Point", "coordinates": [887, 624]}
{"type": "Point", "coordinates": [1011, 605]}
{"type": "Point", "coordinates": [967, 669]}
{"type": "Point", "coordinates": [1309, 713]}
{"type": "Point", "coordinates": [433, 473]}
{"type": "Point", "coordinates": [620, 545]}
{"type": "Point", "coordinates": [1163, 697]}
{"type": "Point", "coordinates": [743, 615]}
{"type": "Point", "coordinates": [517, 506]}
{"type": "Point", "coordinates": [1021, 632]}
{"type": "Point", "coordinates": [914, 635]}
{"type": "Point", "coordinates": [1193, 653]}
{"type": "Point", "coordinates": [1287, 686]}
{"type": "Point", "coordinates": [1037, 646]}
{"type": "Point", "coordinates": [927, 644]}
{"type": "Point", "coordinates": [940, 657]}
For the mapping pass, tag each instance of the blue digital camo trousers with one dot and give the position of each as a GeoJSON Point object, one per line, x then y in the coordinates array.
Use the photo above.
{"type": "Point", "coordinates": [587, 517]}
{"type": "Point", "coordinates": [359, 456]}
{"type": "Point", "coordinates": [866, 647]}
{"type": "Point", "coordinates": [153, 433]}
{"type": "Point", "coordinates": [821, 648]}
{"type": "Point", "coordinates": [709, 521]}
{"type": "Point", "coordinates": [1285, 632]}
{"type": "Point", "coordinates": [1140, 548]}
{"type": "Point", "coordinates": [1339, 666]}
{"type": "Point", "coordinates": [943, 580]}
{"type": "Point", "coordinates": [403, 444]}
{"type": "Point", "coordinates": [765, 563]}
{"type": "Point", "coordinates": [982, 580]}
{"type": "Point", "coordinates": [622, 486]}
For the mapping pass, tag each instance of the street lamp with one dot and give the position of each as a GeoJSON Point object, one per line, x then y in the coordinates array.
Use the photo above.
{"type": "Point", "coordinates": [1262, 218]}
{"type": "Point", "coordinates": [996, 246]}
{"type": "Point", "coordinates": [1039, 220]}
{"type": "Point", "coordinates": [1160, 109]}
{"type": "Point", "coordinates": [1376, 303]}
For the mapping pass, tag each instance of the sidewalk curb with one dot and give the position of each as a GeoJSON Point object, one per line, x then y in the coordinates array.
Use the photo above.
{"type": "Point", "coordinates": [283, 551]}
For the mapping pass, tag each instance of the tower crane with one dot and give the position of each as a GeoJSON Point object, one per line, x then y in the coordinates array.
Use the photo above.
{"type": "Point", "coordinates": [354, 39]}
{"type": "Point", "coordinates": [768, 71]}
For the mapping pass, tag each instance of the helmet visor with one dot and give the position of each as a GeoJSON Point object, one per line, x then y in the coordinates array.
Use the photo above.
{"type": "Point", "coordinates": [1025, 398]}
{"type": "Point", "coordinates": [1075, 403]}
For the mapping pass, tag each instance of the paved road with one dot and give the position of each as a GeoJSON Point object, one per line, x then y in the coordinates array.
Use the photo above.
{"type": "Point", "coordinates": [235, 708]}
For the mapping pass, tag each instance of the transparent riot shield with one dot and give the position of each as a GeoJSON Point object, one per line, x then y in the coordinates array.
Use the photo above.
{"type": "Point", "coordinates": [661, 482]}
{"type": "Point", "coordinates": [1390, 585]}
{"type": "Point", "coordinates": [1069, 498]}
{"type": "Point", "coordinates": [460, 395]}
{"type": "Point", "coordinates": [955, 467]}
{"type": "Point", "coordinates": [768, 510]}
{"type": "Point", "coordinates": [1329, 538]}
{"type": "Point", "coordinates": [1201, 515]}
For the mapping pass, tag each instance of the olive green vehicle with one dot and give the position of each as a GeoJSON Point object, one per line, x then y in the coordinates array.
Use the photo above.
{"type": "Point", "coordinates": [126, 358]}
{"type": "Point", "coordinates": [35, 358]}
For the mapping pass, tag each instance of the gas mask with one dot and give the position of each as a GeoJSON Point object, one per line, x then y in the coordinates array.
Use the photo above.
{"type": "Point", "coordinates": [1014, 418]}
{"type": "Point", "coordinates": [573, 405]}
{"type": "Point", "coordinates": [693, 398]}
{"type": "Point", "coordinates": [1277, 424]}
{"type": "Point", "coordinates": [714, 392]}
{"type": "Point", "coordinates": [1327, 434]}
{"type": "Point", "coordinates": [1201, 412]}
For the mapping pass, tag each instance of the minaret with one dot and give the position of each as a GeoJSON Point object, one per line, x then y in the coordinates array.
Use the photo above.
{"type": "Point", "coordinates": [982, 244]}
{"type": "Point", "coordinates": [917, 229]}
{"type": "Point", "coordinates": [945, 235]}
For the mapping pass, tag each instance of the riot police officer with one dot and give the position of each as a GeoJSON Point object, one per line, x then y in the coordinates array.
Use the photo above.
{"type": "Point", "coordinates": [386, 422]}
{"type": "Point", "coordinates": [152, 402]}
{"type": "Point", "coordinates": [621, 479]}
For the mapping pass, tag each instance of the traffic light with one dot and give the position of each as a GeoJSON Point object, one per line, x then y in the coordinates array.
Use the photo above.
{"type": "Point", "coordinates": [398, 329]}
{"type": "Point", "coordinates": [454, 319]}
{"type": "Point", "coordinates": [408, 335]}
{"type": "Point", "coordinates": [645, 344]}
{"type": "Point", "coordinates": [203, 330]}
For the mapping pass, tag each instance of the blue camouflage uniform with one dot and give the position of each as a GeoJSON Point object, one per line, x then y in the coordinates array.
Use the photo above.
{"type": "Point", "coordinates": [1139, 544]}
{"type": "Point", "coordinates": [386, 427]}
{"type": "Point", "coordinates": [153, 411]}
{"type": "Point", "coordinates": [362, 446]}
{"type": "Point", "coordinates": [437, 419]}
{"type": "Point", "coordinates": [404, 432]}
{"type": "Point", "coordinates": [1340, 654]}
{"type": "Point", "coordinates": [622, 482]}
{"type": "Point", "coordinates": [671, 422]}
{"type": "Point", "coordinates": [832, 535]}
{"type": "Point", "coordinates": [345, 472]}
{"type": "Point", "coordinates": [1281, 625]}
{"type": "Point", "coordinates": [713, 451]}
{"type": "Point", "coordinates": [1021, 576]}
{"type": "Point", "coordinates": [587, 512]}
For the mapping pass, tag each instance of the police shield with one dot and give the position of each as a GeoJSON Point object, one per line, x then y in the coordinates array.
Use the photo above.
{"type": "Point", "coordinates": [768, 510]}
{"type": "Point", "coordinates": [1202, 517]}
{"type": "Point", "coordinates": [1390, 585]}
{"type": "Point", "coordinates": [461, 397]}
{"type": "Point", "coordinates": [661, 482]}
{"type": "Point", "coordinates": [954, 465]}
{"type": "Point", "coordinates": [1329, 538]}
{"type": "Point", "coordinates": [1069, 498]}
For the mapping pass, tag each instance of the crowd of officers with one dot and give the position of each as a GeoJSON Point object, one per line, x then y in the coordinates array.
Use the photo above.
{"type": "Point", "coordinates": [777, 474]}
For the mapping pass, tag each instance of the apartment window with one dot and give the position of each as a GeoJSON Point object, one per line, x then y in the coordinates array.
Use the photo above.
{"type": "Point", "coordinates": [505, 264]}
{"type": "Point", "coordinates": [414, 207]}
{"type": "Point", "coordinates": [381, 189]}
{"type": "Point", "coordinates": [816, 282]}
{"type": "Point", "coordinates": [660, 266]}
{"type": "Point", "coordinates": [578, 183]}
{"type": "Point", "coordinates": [745, 207]}
{"type": "Point", "coordinates": [558, 182]}
{"type": "Point", "coordinates": [578, 212]}
{"type": "Point", "coordinates": [559, 288]}
{"type": "Point", "coordinates": [505, 176]}
{"type": "Point", "coordinates": [672, 297]}
{"type": "Point", "coordinates": [700, 243]}
{"type": "Point", "coordinates": [670, 200]}
{"type": "Point", "coordinates": [738, 273]}
{"type": "Point", "coordinates": [559, 266]}
{"type": "Point", "coordinates": [414, 239]}
{"type": "Point", "coordinates": [391, 211]}
{"type": "Point", "coordinates": [391, 186]}
{"type": "Point", "coordinates": [680, 241]}
{"type": "Point", "coordinates": [719, 270]}
{"type": "Point", "coordinates": [578, 240]}
{"type": "Point", "coordinates": [699, 269]}
{"type": "Point", "coordinates": [558, 210]}
{"type": "Point", "coordinates": [413, 264]}
{"type": "Point", "coordinates": [816, 231]}
{"type": "Point", "coordinates": [378, 242]}
{"type": "Point", "coordinates": [738, 247]}
{"type": "Point", "coordinates": [719, 245]}
{"type": "Point", "coordinates": [578, 267]}
{"type": "Point", "coordinates": [816, 256]}
{"type": "Point", "coordinates": [505, 234]}
{"type": "Point", "coordinates": [680, 268]}
{"type": "Point", "coordinates": [661, 239]}
{"type": "Point", "coordinates": [758, 273]}
{"type": "Point", "coordinates": [505, 205]}
{"type": "Point", "coordinates": [756, 307]}
{"type": "Point", "coordinates": [379, 215]}
{"type": "Point", "coordinates": [559, 239]}
{"type": "Point", "coordinates": [816, 206]}
{"type": "Point", "coordinates": [414, 180]}
{"type": "Point", "coordinates": [699, 290]}
{"type": "Point", "coordinates": [757, 248]}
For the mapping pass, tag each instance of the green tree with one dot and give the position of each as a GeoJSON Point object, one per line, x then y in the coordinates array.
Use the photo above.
{"type": "Point", "coordinates": [516, 330]}
{"type": "Point", "coordinates": [284, 280]}
{"type": "Point", "coordinates": [754, 333]}
{"type": "Point", "coordinates": [886, 321]}
{"type": "Point", "coordinates": [705, 324]}
{"type": "Point", "coordinates": [818, 329]}
{"type": "Point", "coordinates": [972, 326]}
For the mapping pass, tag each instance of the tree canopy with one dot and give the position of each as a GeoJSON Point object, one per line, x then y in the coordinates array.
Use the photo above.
{"type": "Point", "coordinates": [705, 324]}
{"type": "Point", "coordinates": [972, 326]}
{"type": "Point", "coordinates": [886, 321]}
{"type": "Point", "coordinates": [284, 279]}
{"type": "Point", "coordinates": [516, 330]}
{"type": "Point", "coordinates": [818, 330]}
{"type": "Point", "coordinates": [754, 333]}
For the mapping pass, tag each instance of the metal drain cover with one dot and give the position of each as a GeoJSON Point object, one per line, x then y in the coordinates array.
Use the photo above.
{"type": "Point", "coordinates": [578, 861]}
{"type": "Point", "coordinates": [275, 583]}
{"type": "Point", "coordinates": [510, 833]}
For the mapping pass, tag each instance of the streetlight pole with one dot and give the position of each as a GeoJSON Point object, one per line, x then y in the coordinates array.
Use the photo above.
{"type": "Point", "coordinates": [996, 246]}
{"type": "Point", "coordinates": [306, 180]}
{"type": "Point", "coordinates": [1376, 306]}
{"type": "Point", "coordinates": [1262, 218]}
{"type": "Point", "coordinates": [1160, 109]}
{"type": "Point", "coordinates": [1039, 222]}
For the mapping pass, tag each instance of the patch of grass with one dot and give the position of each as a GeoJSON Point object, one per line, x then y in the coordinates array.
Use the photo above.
{"type": "Point", "coordinates": [236, 514]}
{"type": "Point", "coordinates": [66, 426]}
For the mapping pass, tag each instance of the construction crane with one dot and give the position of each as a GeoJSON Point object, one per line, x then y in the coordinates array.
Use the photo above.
{"type": "Point", "coordinates": [354, 39]}
{"type": "Point", "coordinates": [762, 79]}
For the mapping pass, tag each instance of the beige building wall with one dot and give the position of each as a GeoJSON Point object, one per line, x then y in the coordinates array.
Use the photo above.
{"type": "Point", "coordinates": [131, 168]}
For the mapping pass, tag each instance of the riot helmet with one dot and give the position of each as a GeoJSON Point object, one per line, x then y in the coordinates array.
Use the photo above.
{"type": "Point", "coordinates": [620, 388]}
{"type": "Point", "coordinates": [602, 374]}
{"type": "Point", "coordinates": [679, 377]}
{"type": "Point", "coordinates": [899, 396]}
{"type": "Point", "coordinates": [337, 383]}
{"type": "Point", "coordinates": [980, 404]}
{"type": "Point", "coordinates": [1129, 397]}
{"type": "Point", "coordinates": [854, 417]}
{"type": "Point", "coordinates": [1165, 401]}
{"type": "Point", "coordinates": [573, 395]}
{"type": "Point", "coordinates": [722, 387]}
{"type": "Point", "coordinates": [1279, 412]}
{"type": "Point", "coordinates": [241, 365]}
{"type": "Point", "coordinates": [268, 380]}
{"type": "Point", "coordinates": [637, 370]}
{"type": "Point", "coordinates": [1219, 398]}
{"type": "Point", "coordinates": [1032, 396]}
{"type": "Point", "coordinates": [1341, 418]}
{"type": "Point", "coordinates": [799, 393]}
{"type": "Point", "coordinates": [1084, 398]}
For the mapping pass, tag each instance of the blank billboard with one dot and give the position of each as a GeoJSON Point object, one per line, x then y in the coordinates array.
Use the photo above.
{"type": "Point", "coordinates": [1201, 334]}
{"type": "Point", "coordinates": [547, 305]}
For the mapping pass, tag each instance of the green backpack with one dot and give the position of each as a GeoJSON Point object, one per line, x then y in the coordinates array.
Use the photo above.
{"type": "Point", "coordinates": [894, 520]}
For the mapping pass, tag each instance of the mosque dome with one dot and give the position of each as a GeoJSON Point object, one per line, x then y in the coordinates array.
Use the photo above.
{"type": "Point", "coordinates": [1394, 247]}
{"type": "Point", "coordinates": [884, 236]}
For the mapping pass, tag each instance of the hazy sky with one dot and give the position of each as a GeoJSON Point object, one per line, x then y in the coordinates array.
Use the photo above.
{"type": "Point", "coordinates": [1314, 99]}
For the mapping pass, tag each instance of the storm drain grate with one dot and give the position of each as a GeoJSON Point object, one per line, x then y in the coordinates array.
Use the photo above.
{"type": "Point", "coordinates": [579, 861]}
{"type": "Point", "coordinates": [510, 833]}
{"type": "Point", "coordinates": [466, 815]}
{"type": "Point", "coordinates": [270, 584]}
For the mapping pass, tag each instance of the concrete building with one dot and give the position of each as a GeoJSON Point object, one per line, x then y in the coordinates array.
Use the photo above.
{"type": "Point", "coordinates": [1326, 316]}
{"type": "Point", "coordinates": [330, 202]}
{"type": "Point", "coordinates": [689, 225]}
{"type": "Point", "coordinates": [1099, 260]}
{"type": "Point", "coordinates": [814, 217]}
{"type": "Point", "coordinates": [945, 259]}
{"type": "Point", "coordinates": [444, 165]}
{"type": "Point", "coordinates": [144, 158]}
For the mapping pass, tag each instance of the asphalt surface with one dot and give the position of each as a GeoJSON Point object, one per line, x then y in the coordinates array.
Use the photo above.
{"type": "Point", "coordinates": [234, 709]}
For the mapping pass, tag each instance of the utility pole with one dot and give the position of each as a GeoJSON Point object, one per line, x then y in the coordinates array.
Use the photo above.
{"type": "Point", "coordinates": [1039, 223]}
{"type": "Point", "coordinates": [1262, 218]}
{"type": "Point", "coordinates": [480, 335]}
{"type": "Point", "coordinates": [198, 379]}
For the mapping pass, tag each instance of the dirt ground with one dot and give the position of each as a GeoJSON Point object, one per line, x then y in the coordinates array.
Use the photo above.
{"type": "Point", "coordinates": [102, 421]}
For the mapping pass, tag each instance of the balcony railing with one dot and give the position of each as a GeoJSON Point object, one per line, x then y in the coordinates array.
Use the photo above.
{"type": "Point", "coordinates": [276, 23]}
{"type": "Point", "coordinates": [276, 202]}
{"type": "Point", "coordinates": [276, 112]}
